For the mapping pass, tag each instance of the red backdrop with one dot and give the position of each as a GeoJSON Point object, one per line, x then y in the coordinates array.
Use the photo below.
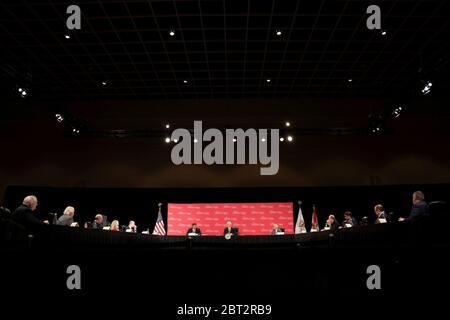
{"type": "Point", "coordinates": [250, 218]}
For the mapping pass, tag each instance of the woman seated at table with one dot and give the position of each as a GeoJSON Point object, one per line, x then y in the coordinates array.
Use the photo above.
{"type": "Point", "coordinates": [115, 225]}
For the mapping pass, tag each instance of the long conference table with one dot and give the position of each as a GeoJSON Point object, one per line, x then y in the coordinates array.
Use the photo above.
{"type": "Point", "coordinates": [382, 235]}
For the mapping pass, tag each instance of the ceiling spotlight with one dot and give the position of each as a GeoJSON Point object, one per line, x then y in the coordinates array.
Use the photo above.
{"type": "Point", "coordinates": [281, 139]}
{"type": "Point", "coordinates": [23, 92]}
{"type": "Point", "coordinates": [268, 80]}
{"type": "Point", "coordinates": [185, 81]}
{"type": "Point", "coordinates": [167, 126]}
{"type": "Point", "coordinates": [59, 117]}
{"type": "Point", "coordinates": [167, 140]}
{"type": "Point", "coordinates": [195, 140]}
{"type": "Point", "coordinates": [263, 139]}
{"type": "Point", "coordinates": [175, 140]}
{"type": "Point", "coordinates": [172, 33]}
{"type": "Point", "coordinates": [278, 32]}
{"type": "Point", "coordinates": [383, 33]}
{"type": "Point", "coordinates": [290, 138]}
{"type": "Point", "coordinates": [396, 112]}
{"type": "Point", "coordinates": [67, 36]}
{"type": "Point", "coordinates": [75, 130]}
{"type": "Point", "coordinates": [103, 83]}
{"type": "Point", "coordinates": [427, 88]}
{"type": "Point", "coordinates": [350, 80]}
{"type": "Point", "coordinates": [234, 139]}
{"type": "Point", "coordinates": [287, 124]}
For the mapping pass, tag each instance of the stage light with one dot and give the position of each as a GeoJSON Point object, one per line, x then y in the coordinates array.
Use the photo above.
{"type": "Point", "coordinates": [290, 138]}
{"type": "Point", "coordinates": [281, 139]}
{"type": "Point", "coordinates": [278, 32]}
{"type": "Point", "coordinates": [67, 36]}
{"type": "Point", "coordinates": [268, 80]}
{"type": "Point", "coordinates": [167, 140]}
{"type": "Point", "coordinates": [172, 33]}
{"type": "Point", "coordinates": [427, 88]}
{"type": "Point", "coordinates": [22, 92]}
{"type": "Point", "coordinates": [167, 126]}
{"type": "Point", "coordinates": [59, 117]}
{"type": "Point", "coordinates": [397, 111]}
{"type": "Point", "coordinates": [287, 124]}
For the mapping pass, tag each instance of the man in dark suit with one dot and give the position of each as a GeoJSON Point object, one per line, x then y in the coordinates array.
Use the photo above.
{"type": "Point", "coordinates": [229, 229]}
{"type": "Point", "coordinates": [67, 218]}
{"type": "Point", "coordinates": [24, 213]}
{"type": "Point", "coordinates": [419, 209]}
{"type": "Point", "coordinates": [276, 229]}
{"type": "Point", "coordinates": [194, 229]}
{"type": "Point", "coordinates": [99, 222]}
{"type": "Point", "coordinates": [380, 214]}
{"type": "Point", "coordinates": [331, 224]}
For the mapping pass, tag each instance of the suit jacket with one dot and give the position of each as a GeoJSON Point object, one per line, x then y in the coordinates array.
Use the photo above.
{"type": "Point", "coordinates": [96, 225]}
{"type": "Point", "coordinates": [24, 215]}
{"type": "Point", "coordinates": [65, 220]}
{"type": "Point", "coordinates": [418, 211]}
{"type": "Point", "coordinates": [197, 231]}
{"type": "Point", "coordinates": [233, 231]}
{"type": "Point", "coordinates": [274, 231]}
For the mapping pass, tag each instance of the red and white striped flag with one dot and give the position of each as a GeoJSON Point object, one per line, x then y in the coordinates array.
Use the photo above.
{"type": "Point", "coordinates": [159, 226]}
{"type": "Point", "coordinates": [315, 221]}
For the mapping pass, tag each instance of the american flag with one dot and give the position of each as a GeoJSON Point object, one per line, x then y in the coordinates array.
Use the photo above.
{"type": "Point", "coordinates": [159, 226]}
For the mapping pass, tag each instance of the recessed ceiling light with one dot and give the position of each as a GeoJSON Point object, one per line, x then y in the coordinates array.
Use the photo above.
{"type": "Point", "coordinates": [103, 83]}
{"type": "Point", "coordinates": [281, 139]}
{"type": "Point", "coordinates": [350, 80]}
{"type": "Point", "coordinates": [172, 33]}
{"type": "Point", "coordinates": [263, 139]}
{"type": "Point", "coordinates": [185, 81]}
{"type": "Point", "coordinates": [288, 124]}
{"type": "Point", "coordinates": [67, 36]}
{"type": "Point", "coordinates": [290, 138]}
{"type": "Point", "coordinates": [195, 140]}
{"type": "Point", "coordinates": [167, 140]}
{"type": "Point", "coordinates": [268, 80]}
{"type": "Point", "coordinates": [278, 32]}
{"type": "Point", "coordinates": [383, 33]}
{"type": "Point", "coordinates": [167, 126]}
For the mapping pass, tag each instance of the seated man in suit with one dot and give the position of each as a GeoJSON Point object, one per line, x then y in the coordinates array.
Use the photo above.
{"type": "Point", "coordinates": [419, 209]}
{"type": "Point", "coordinates": [194, 229]}
{"type": "Point", "coordinates": [24, 213]}
{"type": "Point", "coordinates": [331, 224]}
{"type": "Point", "coordinates": [380, 214]}
{"type": "Point", "coordinates": [229, 229]}
{"type": "Point", "coordinates": [276, 229]}
{"type": "Point", "coordinates": [349, 221]}
{"type": "Point", "coordinates": [99, 222]}
{"type": "Point", "coordinates": [67, 218]}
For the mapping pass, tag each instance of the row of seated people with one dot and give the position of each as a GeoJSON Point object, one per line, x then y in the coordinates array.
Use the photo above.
{"type": "Point", "coordinates": [24, 215]}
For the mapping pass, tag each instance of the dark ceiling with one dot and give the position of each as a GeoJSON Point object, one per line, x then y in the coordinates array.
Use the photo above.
{"type": "Point", "coordinates": [223, 49]}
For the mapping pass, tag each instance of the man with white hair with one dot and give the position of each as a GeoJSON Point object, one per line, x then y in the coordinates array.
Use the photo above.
{"type": "Point", "coordinates": [24, 213]}
{"type": "Point", "coordinates": [67, 218]}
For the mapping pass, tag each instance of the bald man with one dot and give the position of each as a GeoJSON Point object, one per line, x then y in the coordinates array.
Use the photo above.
{"type": "Point", "coordinates": [24, 213]}
{"type": "Point", "coordinates": [67, 218]}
